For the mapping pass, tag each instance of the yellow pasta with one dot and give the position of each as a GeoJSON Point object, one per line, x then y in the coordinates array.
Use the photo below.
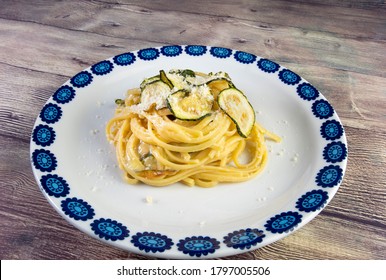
{"type": "Point", "coordinates": [155, 146]}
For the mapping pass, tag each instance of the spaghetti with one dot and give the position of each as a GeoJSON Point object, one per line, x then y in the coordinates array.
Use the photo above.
{"type": "Point", "coordinates": [189, 127]}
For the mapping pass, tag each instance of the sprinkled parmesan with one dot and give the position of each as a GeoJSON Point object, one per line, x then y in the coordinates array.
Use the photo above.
{"type": "Point", "coordinates": [100, 103]}
{"type": "Point", "coordinates": [295, 158]}
{"type": "Point", "coordinates": [156, 92]}
{"type": "Point", "coordinates": [178, 81]}
{"type": "Point", "coordinates": [94, 131]}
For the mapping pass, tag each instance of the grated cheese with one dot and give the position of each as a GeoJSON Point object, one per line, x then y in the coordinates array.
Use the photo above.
{"type": "Point", "coordinates": [157, 93]}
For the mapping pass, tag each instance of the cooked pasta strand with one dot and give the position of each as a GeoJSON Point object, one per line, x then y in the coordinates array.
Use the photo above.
{"type": "Point", "coordinates": [154, 148]}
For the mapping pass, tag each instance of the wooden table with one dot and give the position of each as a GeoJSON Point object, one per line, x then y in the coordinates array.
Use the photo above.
{"type": "Point", "coordinates": [339, 46]}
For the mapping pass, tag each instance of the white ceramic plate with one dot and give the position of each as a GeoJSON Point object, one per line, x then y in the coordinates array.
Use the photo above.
{"type": "Point", "coordinates": [76, 169]}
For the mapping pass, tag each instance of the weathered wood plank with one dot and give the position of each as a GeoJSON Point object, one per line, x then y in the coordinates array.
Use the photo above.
{"type": "Point", "coordinates": [358, 99]}
{"type": "Point", "coordinates": [54, 50]}
{"type": "Point", "coordinates": [23, 94]}
{"type": "Point", "coordinates": [300, 14]}
{"type": "Point", "coordinates": [377, 4]}
{"type": "Point", "coordinates": [283, 43]}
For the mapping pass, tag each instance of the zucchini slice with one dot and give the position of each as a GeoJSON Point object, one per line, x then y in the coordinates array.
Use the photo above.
{"type": "Point", "coordinates": [165, 79]}
{"type": "Point", "coordinates": [219, 84]}
{"type": "Point", "coordinates": [177, 80]}
{"type": "Point", "coordinates": [155, 93]}
{"type": "Point", "coordinates": [236, 105]}
{"type": "Point", "coordinates": [149, 81]}
{"type": "Point", "coordinates": [191, 106]}
{"type": "Point", "coordinates": [185, 73]}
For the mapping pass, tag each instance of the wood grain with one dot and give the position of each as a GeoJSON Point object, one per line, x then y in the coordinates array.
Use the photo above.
{"type": "Point", "coordinates": [339, 46]}
{"type": "Point", "coordinates": [290, 44]}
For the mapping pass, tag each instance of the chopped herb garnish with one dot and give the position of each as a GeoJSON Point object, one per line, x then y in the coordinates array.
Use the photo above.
{"type": "Point", "coordinates": [120, 102]}
{"type": "Point", "coordinates": [188, 72]}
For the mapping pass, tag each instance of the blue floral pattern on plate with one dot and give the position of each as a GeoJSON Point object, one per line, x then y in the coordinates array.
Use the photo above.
{"type": "Point", "coordinates": [312, 201]}
{"type": "Point", "coordinates": [307, 91]}
{"type": "Point", "coordinates": [267, 65]}
{"type": "Point", "coordinates": [244, 57]}
{"type": "Point", "coordinates": [124, 59]}
{"type": "Point", "coordinates": [329, 176]}
{"type": "Point", "coordinates": [81, 79]}
{"type": "Point", "coordinates": [148, 54]}
{"type": "Point", "coordinates": [54, 185]}
{"type": "Point", "coordinates": [43, 135]}
{"type": "Point", "coordinates": [244, 238]}
{"type": "Point", "coordinates": [102, 68]}
{"type": "Point", "coordinates": [44, 160]}
{"type": "Point", "coordinates": [331, 130]}
{"type": "Point", "coordinates": [77, 209]}
{"type": "Point", "coordinates": [171, 50]}
{"type": "Point", "coordinates": [220, 52]}
{"type": "Point", "coordinates": [50, 113]}
{"type": "Point", "coordinates": [64, 94]}
{"type": "Point", "coordinates": [109, 229]}
{"type": "Point", "coordinates": [314, 197]}
{"type": "Point", "coordinates": [288, 77]}
{"type": "Point", "coordinates": [283, 222]}
{"type": "Point", "coordinates": [151, 242]}
{"type": "Point", "coordinates": [335, 152]}
{"type": "Point", "coordinates": [322, 109]}
{"type": "Point", "coordinates": [195, 50]}
{"type": "Point", "coordinates": [198, 245]}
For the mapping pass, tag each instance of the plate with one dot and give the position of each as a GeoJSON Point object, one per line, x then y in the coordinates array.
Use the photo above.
{"type": "Point", "coordinates": [75, 166]}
